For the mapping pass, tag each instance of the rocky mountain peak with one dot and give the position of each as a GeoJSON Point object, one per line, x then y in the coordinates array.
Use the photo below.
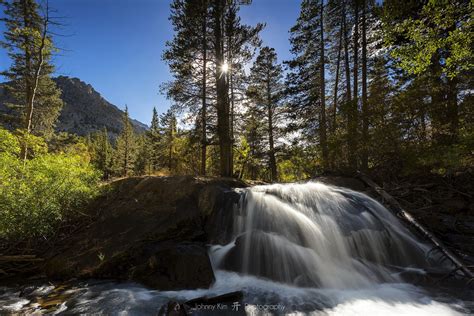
{"type": "Point", "coordinates": [85, 110]}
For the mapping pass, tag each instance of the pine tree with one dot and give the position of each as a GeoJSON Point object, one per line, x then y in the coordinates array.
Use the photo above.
{"type": "Point", "coordinates": [29, 44]}
{"type": "Point", "coordinates": [251, 150]}
{"type": "Point", "coordinates": [207, 57]}
{"type": "Point", "coordinates": [143, 162]}
{"type": "Point", "coordinates": [153, 139]}
{"type": "Point", "coordinates": [266, 91]}
{"type": "Point", "coordinates": [126, 148]}
{"type": "Point", "coordinates": [384, 134]}
{"type": "Point", "coordinates": [168, 141]}
{"type": "Point", "coordinates": [101, 152]}
{"type": "Point", "coordinates": [188, 56]}
{"type": "Point", "coordinates": [222, 90]}
{"type": "Point", "coordinates": [106, 155]}
{"type": "Point", "coordinates": [240, 43]}
{"type": "Point", "coordinates": [334, 22]}
{"type": "Point", "coordinates": [306, 82]}
{"type": "Point", "coordinates": [365, 107]}
{"type": "Point", "coordinates": [338, 23]}
{"type": "Point", "coordinates": [353, 105]}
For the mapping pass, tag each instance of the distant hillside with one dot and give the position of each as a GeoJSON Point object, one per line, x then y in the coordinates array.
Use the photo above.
{"type": "Point", "coordinates": [85, 110]}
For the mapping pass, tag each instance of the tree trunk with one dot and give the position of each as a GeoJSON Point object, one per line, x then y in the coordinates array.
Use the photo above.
{"type": "Point", "coordinates": [322, 121]}
{"type": "Point", "coordinates": [438, 102]}
{"type": "Point", "coordinates": [230, 80]}
{"type": "Point", "coordinates": [29, 67]}
{"type": "Point", "coordinates": [271, 153]}
{"type": "Point", "coordinates": [170, 155]}
{"type": "Point", "coordinates": [353, 106]}
{"type": "Point", "coordinates": [452, 110]}
{"type": "Point", "coordinates": [400, 212]}
{"type": "Point", "coordinates": [170, 145]}
{"type": "Point", "coordinates": [225, 144]}
{"type": "Point", "coordinates": [232, 113]}
{"type": "Point", "coordinates": [346, 59]}
{"type": "Point", "coordinates": [232, 118]}
{"type": "Point", "coordinates": [365, 109]}
{"type": "Point", "coordinates": [31, 91]}
{"type": "Point", "coordinates": [204, 95]}
{"type": "Point", "coordinates": [348, 98]}
{"type": "Point", "coordinates": [125, 158]}
{"type": "Point", "coordinates": [336, 83]}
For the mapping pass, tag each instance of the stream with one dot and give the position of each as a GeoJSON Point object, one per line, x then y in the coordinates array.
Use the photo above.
{"type": "Point", "coordinates": [306, 248]}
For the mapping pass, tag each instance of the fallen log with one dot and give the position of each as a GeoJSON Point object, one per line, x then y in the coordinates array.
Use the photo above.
{"type": "Point", "coordinates": [410, 219]}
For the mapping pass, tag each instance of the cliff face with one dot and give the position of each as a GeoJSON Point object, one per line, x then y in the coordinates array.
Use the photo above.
{"type": "Point", "coordinates": [85, 110]}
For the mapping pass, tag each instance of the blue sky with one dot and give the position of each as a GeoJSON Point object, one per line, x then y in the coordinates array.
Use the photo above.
{"type": "Point", "coordinates": [116, 45]}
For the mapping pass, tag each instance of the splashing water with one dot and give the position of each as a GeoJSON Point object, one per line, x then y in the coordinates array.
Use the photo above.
{"type": "Point", "coordinates": [317, 235]}
{"type": "Point", "coordinates": [339, 251]}
{"type": "Point", "coordinates": [297, 249]}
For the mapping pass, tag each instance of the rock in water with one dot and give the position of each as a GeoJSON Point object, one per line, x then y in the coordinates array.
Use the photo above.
{"type": "Point", "coordinates": [162, 265]}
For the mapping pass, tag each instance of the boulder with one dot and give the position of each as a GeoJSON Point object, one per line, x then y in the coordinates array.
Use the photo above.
{"type": "Point", "coordinates": [219, 225]}
{"type": "Point", "coordinates": [147, 229]}
{"type": "Point", "coordinates": [271, 258]}
{"type": "Point", "coordinates": [164, 265]}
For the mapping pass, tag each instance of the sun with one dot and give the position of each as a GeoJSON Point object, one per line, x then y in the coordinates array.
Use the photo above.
{"type": "Point", "coordinates": [225, 67]}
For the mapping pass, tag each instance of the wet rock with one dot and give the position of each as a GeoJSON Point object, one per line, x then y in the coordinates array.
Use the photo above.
{"type": "Point", "coordinates": [436, 279]}
{"type": "Point", "coordinates": [419, 277]}
{"type": "Point", "coordinates": [219, 224]}
{"type": "Point", "coordinates": [303, 281]}
{"type": "Point", "coordinates": [162, 265]}
{"type": "Point", "coordinates": [282, 262]}
{"type": "Point", "coordinates": [173, 309]}
{"type": "Point", "coordinates": [27, 290]}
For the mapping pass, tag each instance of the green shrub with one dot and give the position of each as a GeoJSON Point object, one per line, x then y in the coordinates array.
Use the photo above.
{"type": "Point", "coordinates": [37, 194]}
{"type": "Point", "coordinates": [9, 144]}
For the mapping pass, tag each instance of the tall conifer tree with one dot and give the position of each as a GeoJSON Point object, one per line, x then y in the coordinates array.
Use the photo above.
{"type": "Point", "coordinates": [266, 91]}
{"type": "Point", "coordinates": [28, 41]}
{"type": "Point", "coordinates": [306, 81]}
{"type": "Point", "coordinates": [126, 147]}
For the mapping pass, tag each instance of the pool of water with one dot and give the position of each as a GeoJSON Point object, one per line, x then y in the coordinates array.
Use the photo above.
{"type": "Point", "coordinates": [260, 297]}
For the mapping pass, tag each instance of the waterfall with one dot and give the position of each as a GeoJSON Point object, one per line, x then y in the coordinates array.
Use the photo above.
{"type": "Point", "coordinates": [291, 249]}
{"type": "Point", "coordinates": [317, 235]}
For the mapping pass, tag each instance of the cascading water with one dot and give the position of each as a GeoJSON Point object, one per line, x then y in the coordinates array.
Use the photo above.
{"type": "Point", "coordinates": [327, 250]}
{"type": "Point", "coordinates": [316, 235]}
